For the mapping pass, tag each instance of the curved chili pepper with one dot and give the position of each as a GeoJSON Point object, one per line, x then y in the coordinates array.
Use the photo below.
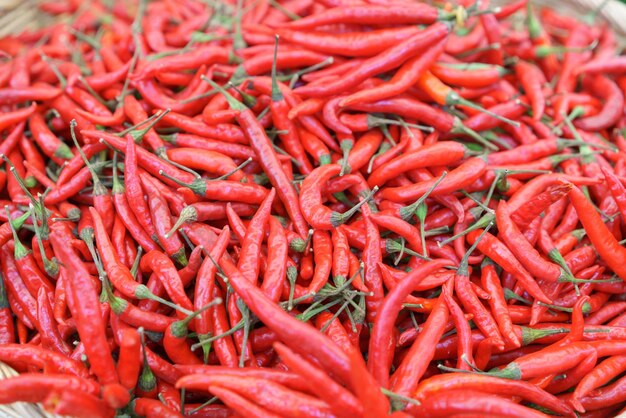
{"type": "Point", "coordinates": [319, 383]}
{"type": "Point", "coordinates": [522, 249]}
{"type": "Point", "coordinates": [277, 261]}
{"type": "Point", "coordinates": [161, 219]}
{"type": "Point", "coordinates": [380, 63]}
{"type": "Point", "coordinates": [490, 282]}
{"type": "Point", "coordinates": [459, 178]}
{"type": "Point", "coordinates": [29, 387]}
{"type": "Point", "coordinates": [203, 55]}
{"type": "Point", "coordinates": [613, 100]}
{"type": "Point", "coordinates": [50, 335]}
{"type": "Point", "coordinates": [49, 143]}
{"type": "Point", "coordinates": [354, 44]}
{"type": "Point", "coordinates": [154, 408]}
{"type": "Point", "coordinates": [444, 153]}
{"type": "Point", "coordinates": [86, 307]}
{"type": "Point", "coordinates": [241, 404]}
{"type": "Point", "coordinates": [472, 401]}
{"type": "Point", "coordinates": [249, 257]}
{"type": "Point", "coordinates": [205, 282]}
{"type": "Point", "coordinates": [498, 252]}
{"type": "Point", "coordinates": [408, 74]}
{"type": "Point", "coordinates": [378, 360]}
{"type": "Point", "coordinates": [370, 14]}
{"type": "Point", "coordinates": [268, 160]}
{"type": "Point", "coordinates": [604, 242]}
{"type": "Point", "coordinates": [163, 267]}
{"type": "Point", "coordinates": [411, 369]}
{"type": "Point", "coordinates": [262, 392]}
{"type": "Point", "coordinates": [489, 384]}
{"type": "Point", "coordinates": [288, 329]}
{"type": "Point", "coordinates": [316, 214]}
{"type": "Point", "coordinates": [17, 288]}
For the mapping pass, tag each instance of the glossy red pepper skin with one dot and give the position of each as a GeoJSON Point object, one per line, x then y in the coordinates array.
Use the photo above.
{"type": "Point", "coordinates": [84, 303]}
{"type": "Point", "coordinates": [604, 242]}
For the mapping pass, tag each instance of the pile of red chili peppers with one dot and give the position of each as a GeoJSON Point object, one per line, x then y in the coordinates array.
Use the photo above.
{"type": "Point", "coordinates": [298, 208]}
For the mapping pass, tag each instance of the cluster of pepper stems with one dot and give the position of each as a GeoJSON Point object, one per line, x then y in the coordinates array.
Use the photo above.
{"type": "Point", "coordinates": [298, 208]}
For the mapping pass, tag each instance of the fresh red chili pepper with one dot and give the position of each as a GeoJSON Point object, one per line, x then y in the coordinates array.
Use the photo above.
{"type": "Point", "coordinates": [409, 73]}
{"type": "Point", "coordinates": [161, 219]}
{"type": "Point", "coordinates": [164, 268]}
{"type": "Point", "coordinates": [379, 352]}
{"type": "Point", "coordinates": [531, 79]}
{"type": "Point", "coordinates": [406, 377]}
{"type": "Point", "coordinates": [460, 177]}
{"type": "Point", "coordinates": [154, 408]}
{"type": "Point", "coordinates": [522, 249]}
{"type": "Point", "coordinates": [604, 242]}
{"type": "Point", "coordinates": [498, 252]}
{"type": "Point", "coordinates": [205, 282]}
{"type": "Point", "coordinates": [319, 383]}
{"type": "Point", "coordinates": [29, 387]}
{"type": "Point", "coordinates": [489, 384]}
{"type": "Point", "coordinates": [257, 390]}
{"type": "Point", "coordinates": [380, 63]}
{"type": "Point", "coordinates": [85, 306]}
{"type": "Point", "coordinates": [50, 336]}
{"type": "Point", "coordinates": [203, 55]}
{"type": "Point", "coordinates": [474, 402]}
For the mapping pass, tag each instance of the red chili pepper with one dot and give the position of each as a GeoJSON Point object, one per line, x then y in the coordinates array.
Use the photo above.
{"type": "Point", "coordinates": [531, 79]}
{"type": "Point", "coordinates": [30, 387]}
{"type": "Point", "coordinates": [7, 327]}
{"type": "Point", "coordinates": [380, 63]}
{"type": "Point", "coordinates": [50, 336]}
{"type": "Point", "coordinates": [522, 249]}
{"type": "Point", "coordinates": [498, 252]}
{"type": "Point", "coordinates": [319, 383]}
{"type": "Point", "coordinates": [457, 179]}
{"type": "Point", "coordinates": [154, 408]}
{"type": "Point", "coordinates": [474, 402]}
{"type": "Point", "coordinates": [285, 326]}
{"type": "Point", "coordinates": [406, 377]}
{"type": "Point", "coordinates": [17, 288]}
{"type": "Point", "coordinates": [613, 101]}
{"type": "Point", "coordinates": [379, 352]}
{"type": "Point", "coordinates": [163, 267]}
{"type": "Point", "coordinates": [224, 347]}
{"type": "Point", "coordinates": [203, 55]}
{"type": "Point", "coordinates": [409, 73]}
{"type": "Point", "coordinates": [604, 242]}
{"type": "Point", "coordinates": [260, 391]}
{"type": "Point", "coordinates": [161, 219]}
{"type": "Point", "coordinates": [86, 308]}
{"type": "Point", "coordinates": [205, 282]}
{"type": "Point", "coordinates": [313, 210]}
{"type": "Point", "coordinates": [489, 384]}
